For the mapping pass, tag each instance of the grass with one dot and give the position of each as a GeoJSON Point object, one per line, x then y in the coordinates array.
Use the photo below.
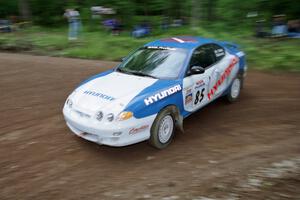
{"type": "Point", "coordinates": [267, 54]}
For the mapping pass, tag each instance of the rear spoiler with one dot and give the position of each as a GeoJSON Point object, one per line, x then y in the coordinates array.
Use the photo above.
{"type": "Point", "coordinates": [230, 45]}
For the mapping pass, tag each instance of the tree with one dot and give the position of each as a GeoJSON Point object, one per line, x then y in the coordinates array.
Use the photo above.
{"type": "Point", "coordinates": [8, 8]}
{"type": "Point", "coordinates": [24, 10]}
{"type": "Point", "coordinates": [195, 13]}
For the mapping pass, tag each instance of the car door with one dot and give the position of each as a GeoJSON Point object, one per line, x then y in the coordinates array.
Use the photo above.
{"type": "Point", "coordinates": [196, 86]}
{"type": "Point", "coordinates": [225, 68]}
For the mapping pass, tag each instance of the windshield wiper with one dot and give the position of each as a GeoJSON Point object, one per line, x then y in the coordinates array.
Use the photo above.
{"type": "Point", "coordinates": [124, 71]}
{"type": "Point", "coordinates": [135, 73]}
{"type": "Point", "coordinates": [142, 74]}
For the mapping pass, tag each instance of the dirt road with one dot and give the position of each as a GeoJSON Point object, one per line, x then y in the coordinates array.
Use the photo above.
{"type": "Point", "coordinates": [246, 150]}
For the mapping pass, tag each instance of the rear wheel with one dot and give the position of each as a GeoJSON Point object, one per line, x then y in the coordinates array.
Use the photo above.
{"type": "Point", "coordinates": [235, 89]}
{"type": "Point", "coordinates": [162, 130]}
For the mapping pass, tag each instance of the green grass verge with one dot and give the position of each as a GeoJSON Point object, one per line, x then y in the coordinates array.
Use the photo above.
{"type": "Point", "coordinates": [270, 54]}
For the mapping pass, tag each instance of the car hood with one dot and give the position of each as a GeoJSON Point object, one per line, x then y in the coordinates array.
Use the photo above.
{"type": "Point", "coordinates": [110, 92]}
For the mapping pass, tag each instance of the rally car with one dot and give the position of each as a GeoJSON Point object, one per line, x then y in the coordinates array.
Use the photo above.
{"type": "Point", "coordinates": [153, 89]}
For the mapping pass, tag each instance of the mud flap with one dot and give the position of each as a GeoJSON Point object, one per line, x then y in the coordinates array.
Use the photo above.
{"type": "Point", "coordinates": [179, 123]}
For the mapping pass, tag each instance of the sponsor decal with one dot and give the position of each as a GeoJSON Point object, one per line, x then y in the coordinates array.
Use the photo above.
{"type": "Point", "coordinates": [226, 73]}
{"type": "Point", "coordinates": [199, 84]}
{"type": "Point", "coordinates": [219, 52]}
{"type": "Point", "coordinates": [180, 39]}
{"type": "Point", "coordinates": [161, 48]}
{"type": "Point", "coordinates": [189, 90]}
{"type": "Point", "coordinates": [188, 98]}
{"type": "Point", "coordinates": [162, 95]}
{"type": "Point", "coordinates": [137, 130]}
{"type": "Point", "coordinates": [98, 94]}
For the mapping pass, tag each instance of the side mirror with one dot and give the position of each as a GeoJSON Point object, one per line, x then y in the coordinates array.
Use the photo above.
{"type": "Point", "coordinates": [122, 59]}
{"type": "Point", "coordinates": [196, 70]}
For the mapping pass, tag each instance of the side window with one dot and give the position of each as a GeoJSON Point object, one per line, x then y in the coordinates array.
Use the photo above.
{"type": "Point", "coordinates": [218, 51]}
{"type": "Point", "coordinates": [203, 56]}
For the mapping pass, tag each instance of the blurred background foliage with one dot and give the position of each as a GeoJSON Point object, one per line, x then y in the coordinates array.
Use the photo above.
{"type": "Point", "coordinates": [218, 19]}
{"type": "Point", "coordinates": [49, 12]}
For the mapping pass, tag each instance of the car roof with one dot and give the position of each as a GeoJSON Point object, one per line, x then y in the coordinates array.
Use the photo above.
{"type": "Point", "coordinates": [186, 42]}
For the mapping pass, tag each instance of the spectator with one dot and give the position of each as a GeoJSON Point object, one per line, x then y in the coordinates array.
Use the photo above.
{"type": "Point", "coordinates": [141, 30]}
{"type": "Point", "coordinates": [177, 23]}
{"type": "Point", "coordinates": [279, 26]}
{"type": "Point", "coordinates": [165, 23]}
{"type": "Point", "coordinates": [260, 29]}
{"type": "Point", "coordinates": [73, 17]}
{"type": "Point", "coordinates": [294, 26]}
{"type": "Point", "coordinates": [113, 25]}
{"type": "Point", "coordinates": [116, 27]}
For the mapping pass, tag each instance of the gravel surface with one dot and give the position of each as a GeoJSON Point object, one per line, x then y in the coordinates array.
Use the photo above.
{"type": "Point", "coordinates": [246, 150]}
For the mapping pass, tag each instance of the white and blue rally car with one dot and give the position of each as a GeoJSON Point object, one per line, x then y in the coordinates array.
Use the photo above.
{"type": "Point", "coordinates": [153, 90]}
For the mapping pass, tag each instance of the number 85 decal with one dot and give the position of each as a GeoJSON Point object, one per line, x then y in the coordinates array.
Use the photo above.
{"type": "Point", "coordinates": [201, 94]}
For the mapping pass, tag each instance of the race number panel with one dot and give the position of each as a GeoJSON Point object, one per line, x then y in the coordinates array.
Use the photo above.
{"type": "Point", "coordinates": [195, 90]}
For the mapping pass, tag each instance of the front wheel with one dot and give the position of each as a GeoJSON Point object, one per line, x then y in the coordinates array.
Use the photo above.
{"type": "Point", "coordinates": [162, 130]}
{"type": "Point", "coordinates": [235, 89]}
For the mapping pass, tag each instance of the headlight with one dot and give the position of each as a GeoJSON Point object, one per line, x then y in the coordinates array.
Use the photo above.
{"type": "Point", "coordinates": [125, 115]}
{"type": "Point", "coordinates": [69, 103]}
{"type": "Point", "coordinates": [99, 115]}
{"type": "Point", "coordinates": [110, 117]}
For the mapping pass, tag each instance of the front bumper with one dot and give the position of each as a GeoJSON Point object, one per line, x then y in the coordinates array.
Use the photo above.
{"type": "Point", "coordinates": [116, 133]}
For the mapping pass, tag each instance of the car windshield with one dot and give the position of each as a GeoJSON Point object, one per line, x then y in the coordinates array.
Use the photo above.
{"type": "Point", "coordinates": [158, 62]}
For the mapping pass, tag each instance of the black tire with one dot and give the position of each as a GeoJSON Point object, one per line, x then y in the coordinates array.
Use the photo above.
{"type": "Point", "coordinates": [155, 140]}
{"type": "Point", "coordinates": [232, 96]}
